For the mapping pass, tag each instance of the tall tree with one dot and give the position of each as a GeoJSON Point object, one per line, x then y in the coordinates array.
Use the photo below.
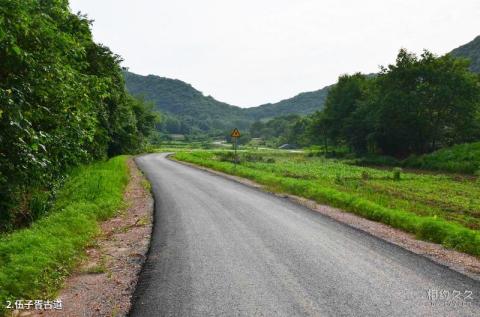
{"type": "Point", "coordinates": [342, 101]}
{"type": "Point", "coordinates": [423, 103]}
{"type": "Point", "coordinates": [62, 101]}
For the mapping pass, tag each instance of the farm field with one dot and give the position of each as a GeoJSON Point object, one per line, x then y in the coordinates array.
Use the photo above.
{"type": "Point", "coordinates": [442, 208]}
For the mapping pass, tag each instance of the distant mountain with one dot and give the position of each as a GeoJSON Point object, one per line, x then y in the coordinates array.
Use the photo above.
{"type": "Point", "coordinates": [197, 112]}
{"type": "Point", "coordinates": [471, 51]}
{"type": "Point", "coordinates": [302, 104]}
{"type": "Point", "coordinates": [183, 102]}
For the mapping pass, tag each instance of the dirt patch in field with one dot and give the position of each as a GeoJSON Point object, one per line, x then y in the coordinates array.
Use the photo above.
{"type": "Point", "coordinates": [105, 281]}
{"type": "Point", "coordinates": [457, 261]}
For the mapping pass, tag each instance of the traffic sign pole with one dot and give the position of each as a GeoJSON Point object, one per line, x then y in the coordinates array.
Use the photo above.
{"type": "Point", "coordinates": [235, 135]}
{"type": "Point", "coordinates": [236, 157]}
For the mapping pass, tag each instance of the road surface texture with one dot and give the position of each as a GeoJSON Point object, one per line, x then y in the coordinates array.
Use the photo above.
{"type": "Point", "coordinates": [221, 248]}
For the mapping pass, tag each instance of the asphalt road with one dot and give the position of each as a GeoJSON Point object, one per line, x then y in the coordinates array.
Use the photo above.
{"type": "Point", "coordinates": [220, 248]}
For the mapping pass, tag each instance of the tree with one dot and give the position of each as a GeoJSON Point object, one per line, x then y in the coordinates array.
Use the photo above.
{"type": "Point", "coordinates": [342, 101]}
{"type": "Point", "coordinates": [424, 103]}
{"type": "Point", "coordinates": [318, 129]}
{"type": "Point", "coordinates": [63, 102]}
{"type": "Point", "coordinates": [297, 133]}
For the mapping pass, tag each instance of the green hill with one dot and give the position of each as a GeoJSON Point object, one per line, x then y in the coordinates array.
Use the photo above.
{"type": "Point", "coordinates": [198, 113]}
{"type": "Point", "coordinates": [302, 104]}
{"type": "Point", "coordinates": [471, 50]}
{"type": "Point", "coordinates": [179, 100]}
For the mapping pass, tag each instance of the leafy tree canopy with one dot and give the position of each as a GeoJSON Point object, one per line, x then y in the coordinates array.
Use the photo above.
{"type": "Point", "coordinates": [62, 100]}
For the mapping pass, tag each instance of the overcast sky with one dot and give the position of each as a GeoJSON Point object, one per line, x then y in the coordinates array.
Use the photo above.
{"type": "Point", "coordinates": [250, 52]}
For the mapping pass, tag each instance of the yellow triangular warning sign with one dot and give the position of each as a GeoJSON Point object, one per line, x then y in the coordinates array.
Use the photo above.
{"type": "Point", "coordinates": [235, 133]}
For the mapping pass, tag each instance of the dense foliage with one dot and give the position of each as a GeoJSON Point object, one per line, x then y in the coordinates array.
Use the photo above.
{"type": "Point", "coordinates": [415, 106]}
{"type": "Point", "coordinates": [461, 158]}
{"type": "Point", "coordinates": [62, 100]}
{"type": "Point", "coordinates": [291, 129]}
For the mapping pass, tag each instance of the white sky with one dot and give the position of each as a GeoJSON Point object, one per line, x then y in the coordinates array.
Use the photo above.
{"type": "Point", "coordinates": [250, 52]}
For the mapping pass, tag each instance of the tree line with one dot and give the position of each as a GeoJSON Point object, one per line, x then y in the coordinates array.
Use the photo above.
{"type": "Point", "coordinates": [415, 106]}
{"type": "Point", "coordinates": [63, 103]}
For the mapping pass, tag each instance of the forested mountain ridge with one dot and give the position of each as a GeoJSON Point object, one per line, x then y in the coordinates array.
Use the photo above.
{"type": "Point", "coordinates": [302, 104]}
{"type": "Point", "coordinates": [183, 102]}
{"type": "Point", "coordinates": [196, 112]}
{"type": "Point", "coordinates": [471, 50]}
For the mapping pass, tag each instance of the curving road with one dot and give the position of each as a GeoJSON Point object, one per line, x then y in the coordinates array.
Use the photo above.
{"type": "Point", "coordinates": [220, 248]}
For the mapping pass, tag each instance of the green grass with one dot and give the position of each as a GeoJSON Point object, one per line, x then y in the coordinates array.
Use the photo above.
{"type": "Point", "coordinates": [35, 261]}
{"type": "Point", "coordinates": [440, 208]}
{"type": "Point", "coordinates": [463, 158]}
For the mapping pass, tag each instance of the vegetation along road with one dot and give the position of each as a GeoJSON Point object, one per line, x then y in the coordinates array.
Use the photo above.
{"type": "Point", "coordinates": [222, 248]}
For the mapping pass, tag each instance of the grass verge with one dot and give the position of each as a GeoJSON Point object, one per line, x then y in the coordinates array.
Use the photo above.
{"type": "Point", "coordinates": [329, 183]}
{"type": "Point", "coordinates": [35, 261]}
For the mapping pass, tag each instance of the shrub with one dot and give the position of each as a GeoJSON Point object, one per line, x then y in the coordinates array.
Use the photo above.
{"type": "Point", "coordinates": [397, 171]}
{"type": "Point", "coordinates": [226, 156]}
{"type": "Point", "coordinates": [463, 158]}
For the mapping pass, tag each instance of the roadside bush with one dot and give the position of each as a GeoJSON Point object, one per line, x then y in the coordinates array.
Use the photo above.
{"type": "Point", "coordinates": [225, 156]}
{"type": "Point", "coordinates": [433, 230]}
{"type": "Point", "coordinates": [463, 241]}
{"type": "Point", "coordinates": [463, 158]}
